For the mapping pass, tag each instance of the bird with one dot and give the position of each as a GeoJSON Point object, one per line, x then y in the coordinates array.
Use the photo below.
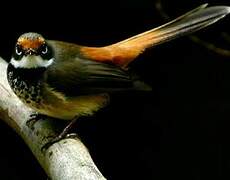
{"type": "Point", "coordinates": [66, 81]}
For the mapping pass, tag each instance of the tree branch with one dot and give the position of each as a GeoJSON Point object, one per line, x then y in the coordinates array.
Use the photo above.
{"type": "Point", "coordinates": [64, 160]}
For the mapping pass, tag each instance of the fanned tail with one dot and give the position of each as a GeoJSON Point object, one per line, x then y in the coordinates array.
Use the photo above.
{"type": "Point", "coordinates": [124, 52]}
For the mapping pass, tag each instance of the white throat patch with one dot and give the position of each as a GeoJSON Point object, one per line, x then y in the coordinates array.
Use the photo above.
{"type": "Point", "coordinates": [31, 62]}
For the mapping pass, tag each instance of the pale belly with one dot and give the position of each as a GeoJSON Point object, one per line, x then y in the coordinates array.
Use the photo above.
{"type": "Point", "coordinates": [67, 109]}
{"type": "Point", "coordinates": [46, 101]}
{"type": "Point", "coordinates": [39, 96]}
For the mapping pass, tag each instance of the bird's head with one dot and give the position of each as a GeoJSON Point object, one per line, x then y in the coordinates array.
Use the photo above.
{"type": "Point", "coordinates": [31, 51]}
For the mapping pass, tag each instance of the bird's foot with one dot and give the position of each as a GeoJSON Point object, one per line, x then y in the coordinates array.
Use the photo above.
{"type": "Point", "coordinates": [57, 139]}
{"type": "Point", "coordinates": [63, 135]}
{"type": "Point", "coordinates": [34, 117]}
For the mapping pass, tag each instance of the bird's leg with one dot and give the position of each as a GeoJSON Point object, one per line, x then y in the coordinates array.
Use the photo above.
{"type": "Point", "coordinates": [34, 117]}
{"type": "Point", "coordinates": [65, 131]}
{"type": "Point", "coordinates": [63, 134]}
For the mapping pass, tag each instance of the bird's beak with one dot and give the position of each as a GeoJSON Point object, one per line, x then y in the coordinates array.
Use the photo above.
{"type": "Point", "coordinates": [30, 52]}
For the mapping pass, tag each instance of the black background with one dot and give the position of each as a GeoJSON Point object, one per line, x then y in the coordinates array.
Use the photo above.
{"type": "Point", "coordinates": [179, 131]}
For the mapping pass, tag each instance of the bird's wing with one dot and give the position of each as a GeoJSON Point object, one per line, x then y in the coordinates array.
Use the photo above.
{"type": "Point", "coordinates": [124, 52]}
{"type": "Point", "coordinates": [73, 75]}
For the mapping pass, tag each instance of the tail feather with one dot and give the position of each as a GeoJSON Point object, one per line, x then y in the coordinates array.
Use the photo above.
{"type": "Point", "coordinates": [124, 52]}
{"type": "Point", "coordinates": [153, 32]}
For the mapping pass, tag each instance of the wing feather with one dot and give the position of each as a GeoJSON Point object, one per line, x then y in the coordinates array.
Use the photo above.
{"type": "Point", "coordinates": [73, 75]}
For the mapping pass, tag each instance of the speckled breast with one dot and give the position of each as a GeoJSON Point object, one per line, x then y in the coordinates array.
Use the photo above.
{"type": "Point", "coordinates": [26, 84]}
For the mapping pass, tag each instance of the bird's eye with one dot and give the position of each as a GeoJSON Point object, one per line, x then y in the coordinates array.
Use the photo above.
{"type": "Point", "coordinates": [44, 49]}
{"type": "Point", "coordinates": [18, 50]}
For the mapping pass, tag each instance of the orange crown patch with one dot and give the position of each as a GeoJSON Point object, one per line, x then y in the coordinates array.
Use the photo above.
{"type": "Point", "coordinates": [27, 43]}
